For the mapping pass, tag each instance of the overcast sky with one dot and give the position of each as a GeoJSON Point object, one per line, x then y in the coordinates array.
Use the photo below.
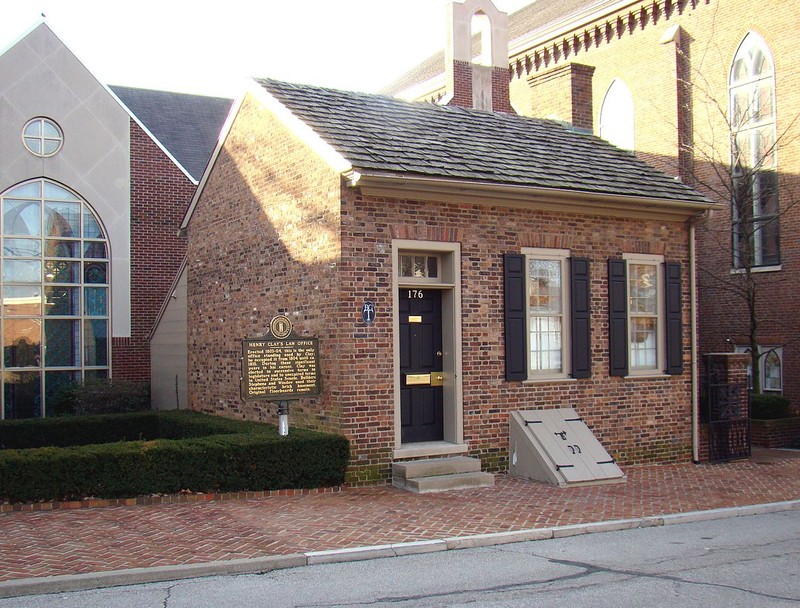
{"type": "Point", "coordinates": [176, 45]}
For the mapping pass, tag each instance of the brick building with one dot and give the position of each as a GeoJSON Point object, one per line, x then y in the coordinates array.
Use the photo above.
{"type": "Point", "coordinates": [707, 91]}
{"type": "Point", "coordinates": [94, 183]}
{"type": "Point", "coordinates": [517, 261]}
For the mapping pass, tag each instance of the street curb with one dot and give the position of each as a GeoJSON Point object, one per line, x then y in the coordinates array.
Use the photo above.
{"type": "Point", "coordinates": [135, 576]}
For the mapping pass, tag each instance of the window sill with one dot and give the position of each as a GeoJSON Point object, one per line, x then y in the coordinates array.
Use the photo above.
{"type": "Point", "coordinates": [647, 376]}
{"type": "Point", "coordinates": [777, 268]}
{"type": "Point", "coordinates": [549, 380]}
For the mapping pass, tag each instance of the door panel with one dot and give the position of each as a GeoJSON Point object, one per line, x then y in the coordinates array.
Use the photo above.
{"type": "Point", "coordinates": [420, 353]}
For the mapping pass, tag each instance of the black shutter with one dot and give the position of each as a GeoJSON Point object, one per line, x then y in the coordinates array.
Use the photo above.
{"type": "Point", "coordinates": [581, 350]}
{"type": "Point", "coordinates": [515, 321]}
{"type": "Point", "coordinates": [617, 317]}
{"type": "Point", "coordinates": [674, 320]}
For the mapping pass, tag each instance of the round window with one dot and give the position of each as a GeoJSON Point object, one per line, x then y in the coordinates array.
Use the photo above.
{"type": "Point", "coordinates": [42, 137]}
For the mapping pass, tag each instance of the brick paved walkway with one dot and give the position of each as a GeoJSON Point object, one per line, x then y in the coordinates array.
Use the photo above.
{"type": "Point", "coordinates": [46, 543]}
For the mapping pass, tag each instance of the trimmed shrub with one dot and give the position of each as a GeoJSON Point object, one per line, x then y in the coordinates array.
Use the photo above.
{"type": "Point", "coordinates": [179, 451]}
{"type": "Point", "coordinates": [100, 396]}
{"type": "Point", "coordinates": [769, 407]}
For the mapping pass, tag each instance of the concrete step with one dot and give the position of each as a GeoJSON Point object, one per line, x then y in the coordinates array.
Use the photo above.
{"type": "Point", "coordinates": [444, 483]}
{"type": "Point", "coordinates": [414, 469]}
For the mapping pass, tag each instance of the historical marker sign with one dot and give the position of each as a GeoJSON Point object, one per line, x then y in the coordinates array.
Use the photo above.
{"type": "Point", "coordinates": [279, 370]}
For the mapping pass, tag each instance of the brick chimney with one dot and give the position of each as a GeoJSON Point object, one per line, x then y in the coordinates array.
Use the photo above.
{"type": "Point", "coordinates": [477, 82]}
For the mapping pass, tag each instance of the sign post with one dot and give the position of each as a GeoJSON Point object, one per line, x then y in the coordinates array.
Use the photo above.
{"type": "Point", "coordinates": [280, 367]}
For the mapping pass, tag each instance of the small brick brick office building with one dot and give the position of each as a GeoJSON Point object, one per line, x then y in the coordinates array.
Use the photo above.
{"type": "Point", "coordinates": [524, 264]}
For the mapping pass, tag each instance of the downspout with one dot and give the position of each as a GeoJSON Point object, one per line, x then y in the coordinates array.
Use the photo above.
{"type": "Point", "coordinates": [695, 370]}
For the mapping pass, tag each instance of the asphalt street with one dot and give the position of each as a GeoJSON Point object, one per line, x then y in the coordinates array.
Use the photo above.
{"type": "Point", "coordinates": [743, 561]}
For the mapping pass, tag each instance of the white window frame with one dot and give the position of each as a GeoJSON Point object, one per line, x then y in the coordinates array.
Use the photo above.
{"type": "Point", "coordinates": [750, 127]}
{"type": "Point", "coordinates": [763, 351]}
{"type": "Point", "coordinates": [562, 256]}
{"type": "Point", "coordinates": [41, 138]}
{"type": "Point", "coordinates": [657, 262]}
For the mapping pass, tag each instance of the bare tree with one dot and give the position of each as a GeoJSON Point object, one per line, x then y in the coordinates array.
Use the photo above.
{"type": "Point", "coordinates": [733, 161]}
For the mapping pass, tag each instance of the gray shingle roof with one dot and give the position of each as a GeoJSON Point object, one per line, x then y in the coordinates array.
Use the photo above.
{"type": "Point", "coordinates": [385, 134]}
{"type": "Point", "coordinates": [186, 125]}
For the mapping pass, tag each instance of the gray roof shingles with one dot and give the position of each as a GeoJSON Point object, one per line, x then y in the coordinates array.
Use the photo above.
{"type": "Point", "coordinates": [186, 125]}
{"type": "Point", "coordinates": [385, 134]}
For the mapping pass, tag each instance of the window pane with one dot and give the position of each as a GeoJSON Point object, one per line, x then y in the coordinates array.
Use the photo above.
{"type": "Point", "coordinates": [545, 340]}
{"type": "Point", "coordinates": [95, 272]}
{"type": "Point", "coordinates": [22, 271]}
{"type": "Point", "coordinates": [22, 248]}
{"type": "Point", "coordinates": [54, 383]}
{"type": "Point", "coordinates": [95, 337]}
{"type": "Point", "coordinates": [419, 266]}
{"type": "Point", "coordinates": [22, 300]}
{"type": "Point", "coordinates": [94, 249]}
{"type": "Point", "coordinates": [62, 337]}
{"type": "Point", "coordinates": [643, 343]}
{"type": "Point", "coordinates": [23, 394]}
{"type": "Point", "coordinates": [406, 265]}
{"type": "Point", "coordinates": [33, 129]}
{"type": "Point", "coordinates": [772, 372]}
{"type": "Point", "coordinates": [96, 301]}
{"type": "Point", "coordinates": [55, 192]}
{"type": "Point", "coordinates": [91, 229]}
{"type": "Point", "coordinates": [62, 301]}
{"type": "Point", "coordinates": [49, 129]}
{"type": "Point", "coordinates": [58, 271]}
{"type": "Point", "coordinates": [544, 285]}
{"type": "Point", "coordinates": [22, 217]}
{"type": "Point", "coordinates": [32, 190]}
{"type": "Point", "coordinates": [34, 145]}
{"type": "Point", "coordinates": [642, 289]}
{"type": "Point", "coordinates": [95, 374]}
{"type": "Point", "coordinates": [433, 266]}
{"type": "Point", "coordinates": [62, 249]}
{"type": "Point", "coordinates": [62, 219]}
{"type": "Point", "coordinates": [22, 342]}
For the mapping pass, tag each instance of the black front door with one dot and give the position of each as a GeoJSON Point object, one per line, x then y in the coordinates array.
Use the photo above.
{"type": "Point", "coordinates": [421, 365]}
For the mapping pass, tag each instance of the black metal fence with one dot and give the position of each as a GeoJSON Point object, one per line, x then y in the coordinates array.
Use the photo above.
{"type": "Point", "coordinates": [727, 413]}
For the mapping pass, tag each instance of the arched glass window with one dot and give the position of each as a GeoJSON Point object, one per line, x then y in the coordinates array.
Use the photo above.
{"type": "Point", "coordinates": [616, 116]}
{"type": "Point", "coordinates": [54, 317]}
{"type": "Point", "coordinates": [754, 162]}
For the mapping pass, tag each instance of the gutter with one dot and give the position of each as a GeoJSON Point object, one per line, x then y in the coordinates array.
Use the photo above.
{"type": "Point", "coordinates": [695, 368]}
{"type": "Point", "coordinates": [555, 199]}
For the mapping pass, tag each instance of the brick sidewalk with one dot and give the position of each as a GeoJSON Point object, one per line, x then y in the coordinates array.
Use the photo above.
{"type": "Point", "coordinates": [47, 543]}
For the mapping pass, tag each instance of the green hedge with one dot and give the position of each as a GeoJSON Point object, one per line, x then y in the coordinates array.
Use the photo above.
{"type": "Point", "coordinates": [179, 451]}
{"type": "Point", "coordinates": [769, 407]}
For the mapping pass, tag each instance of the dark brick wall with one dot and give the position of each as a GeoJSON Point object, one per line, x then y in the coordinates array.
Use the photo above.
{"type": "Point", "coordinates": [160, 194]}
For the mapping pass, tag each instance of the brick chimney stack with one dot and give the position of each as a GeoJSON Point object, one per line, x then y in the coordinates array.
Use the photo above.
{"type": "Point", "coordinates": [477, 82]}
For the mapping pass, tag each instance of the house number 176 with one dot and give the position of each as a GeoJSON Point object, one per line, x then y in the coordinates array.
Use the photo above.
{"type": "Point", "coordinates": [416, 294]}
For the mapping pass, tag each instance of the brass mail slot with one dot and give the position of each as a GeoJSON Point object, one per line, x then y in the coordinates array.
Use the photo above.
{"type": "Point", "coordinates": [415, 379]}
{"type": "Point", "coordinates": [414, 319]}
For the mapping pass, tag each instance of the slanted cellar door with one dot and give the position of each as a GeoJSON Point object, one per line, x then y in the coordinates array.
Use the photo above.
{"type": "Point", "coordinates": [556, 446]}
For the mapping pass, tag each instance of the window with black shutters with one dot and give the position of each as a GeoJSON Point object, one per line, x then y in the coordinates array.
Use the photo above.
{"type": "Point", "coordinates": [547, 316]}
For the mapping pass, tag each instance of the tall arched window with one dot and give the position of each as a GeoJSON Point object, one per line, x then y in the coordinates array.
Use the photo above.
{"type": "Point", "coordinates": [754, 161]}
{"type": "Point", "coordinates": [616, 116]}
{"type": "Point", "coordinates": [54, 317]}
